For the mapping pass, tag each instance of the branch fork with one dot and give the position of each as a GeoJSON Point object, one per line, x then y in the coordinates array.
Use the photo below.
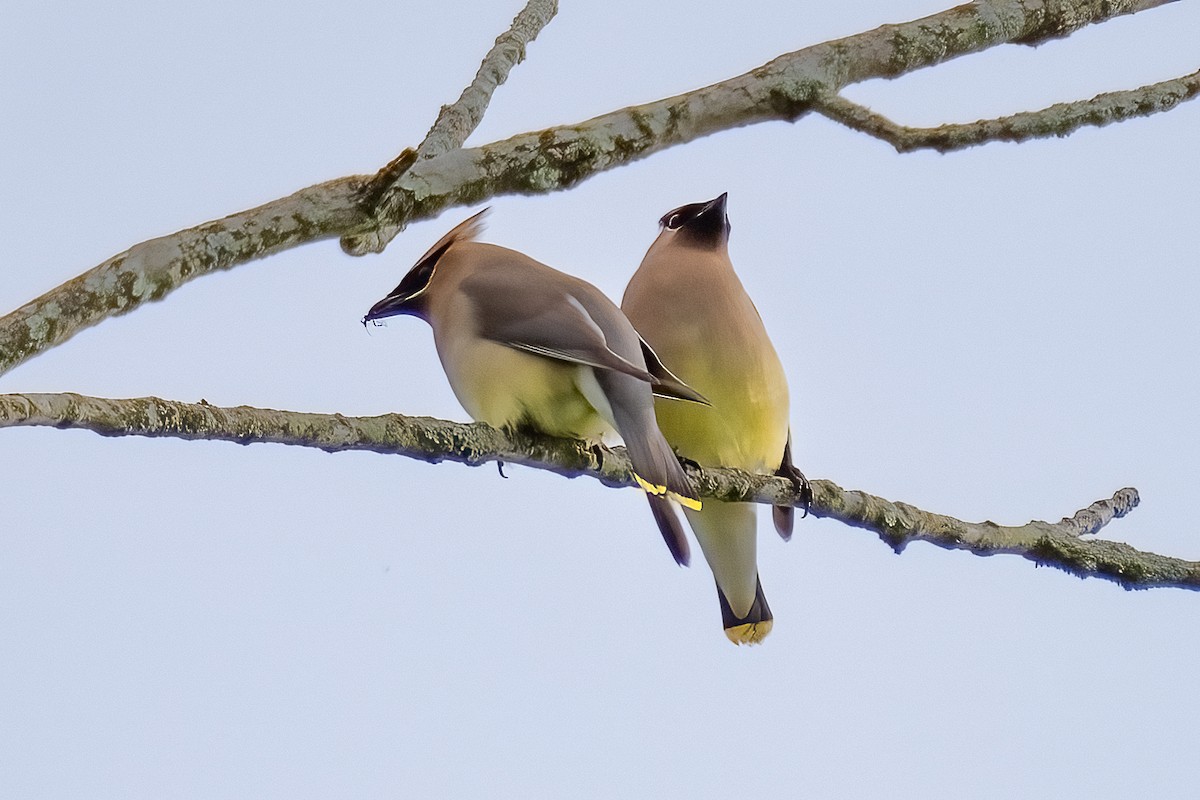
{"type": "Point", "coordinates": [366, 212]}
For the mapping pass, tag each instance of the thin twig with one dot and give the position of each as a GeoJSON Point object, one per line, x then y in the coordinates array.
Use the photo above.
{"type": "Point", "coordinates": [432, 440]}
{"type": "Point", "coordinates": [1060, 119]}
{"type": "Point", "coordinates": [456, 122]}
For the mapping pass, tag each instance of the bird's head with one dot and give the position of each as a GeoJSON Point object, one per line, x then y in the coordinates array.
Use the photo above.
{"type": "Point", "coordinates": [412, 295]}
{"type": "Point", "coordinates": [407, 298]}
{"type": "Point", "coordinates": [697, 224]}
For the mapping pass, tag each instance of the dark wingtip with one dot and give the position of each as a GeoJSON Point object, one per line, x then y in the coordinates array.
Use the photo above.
{"type": "Point", "coordinates": [667, 383]}
{"type": "Point", "coordinates": [784, 518]}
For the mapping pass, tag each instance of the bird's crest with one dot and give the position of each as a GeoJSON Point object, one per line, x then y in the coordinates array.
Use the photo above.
{"type": "Point", "coordinates": [407, 298]}
{"type": "Point", "coordinates": [465, 231]}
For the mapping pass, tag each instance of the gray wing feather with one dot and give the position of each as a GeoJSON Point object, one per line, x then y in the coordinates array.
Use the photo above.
{"type": "Point", "coordinates": [533, 313]}
{"type": "Point", "coordinates": [667, 383]}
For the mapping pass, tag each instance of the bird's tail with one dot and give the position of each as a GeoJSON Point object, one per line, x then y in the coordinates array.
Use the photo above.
{"type": "Point", "coordinates": [657, 469]}
{"type": "Point", "coordinates": [659, 473]}
{"type": "Point", "coordinates": [668, 525]}
{"type": "Point", "coordinates": [752, 628]}
{"type": "Point", "coordinates": [728, 535]}
{"type": "Point", "coordinates": [655, 466]}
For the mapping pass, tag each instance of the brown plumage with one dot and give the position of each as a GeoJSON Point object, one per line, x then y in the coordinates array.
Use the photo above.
{"type": "Point", "coordinates": [688, 304]}
{"type": "Point", "coordinates": [524, 345]}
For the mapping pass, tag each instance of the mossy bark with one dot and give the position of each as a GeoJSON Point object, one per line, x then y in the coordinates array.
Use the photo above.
{"type": "Point", "coordinates": [369, 209]}
{"type": "Point", "coordinates": [432, 440]}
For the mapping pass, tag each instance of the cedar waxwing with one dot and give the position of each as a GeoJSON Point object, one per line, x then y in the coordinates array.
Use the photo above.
{"type": "Point", "coordinates": [524, 345]}
{"type": "Point", "coordinates": [688, 304]}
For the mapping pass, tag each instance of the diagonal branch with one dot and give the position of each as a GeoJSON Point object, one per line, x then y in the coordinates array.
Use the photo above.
{"type": "Point", "coordinates": [432, 440]}
{"type": "Point", "coordinates": [785, 88]}
{"type": "Point", "coordinates": [455, 122]}
{"type": "Point", "coordinates": [532, 163]}
{"type": "Point", "coordinates": [1060, 119]}
{"type": "Point", "coordinates": [155, 268]}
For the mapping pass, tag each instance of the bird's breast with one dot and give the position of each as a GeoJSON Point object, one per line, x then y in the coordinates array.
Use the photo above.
{"type": "Point", "coordinates": [720, 348]}
{"type": "Point", "coordinates": [506, 387]}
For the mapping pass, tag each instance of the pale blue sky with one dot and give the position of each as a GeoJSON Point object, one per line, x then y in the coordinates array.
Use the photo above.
{"type": "Point", "coordinates": [1006, 333]}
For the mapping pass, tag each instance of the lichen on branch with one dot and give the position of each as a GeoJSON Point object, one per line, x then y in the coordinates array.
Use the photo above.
{"type": "Point", "coordinates": [361, 209]}
{"type": "Point", "coordinates": [1060, 119]}
{"type": "Point", "coordinates": [366, 211]}
{"type": "Point", "coordinates": [432, 440]}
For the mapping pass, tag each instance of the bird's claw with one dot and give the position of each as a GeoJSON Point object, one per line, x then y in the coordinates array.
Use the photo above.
{"type": "Point", "coordinates": [802, 485]}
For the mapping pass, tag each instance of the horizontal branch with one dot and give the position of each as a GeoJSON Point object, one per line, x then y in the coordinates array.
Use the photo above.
{"type": "Point", "coordinates": [1060, 119]}
{"type": "Point", "coordinates": [531, 163]}
{"type": "Point", "coordinates": [783, 89]}
{"type": "Point", "coordinates": [1055, 544]}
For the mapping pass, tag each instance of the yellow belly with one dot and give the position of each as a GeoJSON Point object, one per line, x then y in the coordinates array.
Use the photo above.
{"type": "Point", "coordinates": [746, 425]}
{"type": "Point", "coordinates": [505, 387]}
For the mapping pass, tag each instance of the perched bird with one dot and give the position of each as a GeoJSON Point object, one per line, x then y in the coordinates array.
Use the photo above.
{"type": "Point", "coordinates": [527, 346]}
{"type": "Point", "coordinates": [688, 304]}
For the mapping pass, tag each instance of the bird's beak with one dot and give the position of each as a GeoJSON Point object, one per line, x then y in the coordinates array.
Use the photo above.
{"type": "Point", "coordinates": [715, 208]}
{"type": "Point", "coordinates": [711, 225]}
{"type": "Point", "coordinates": [389, 306]}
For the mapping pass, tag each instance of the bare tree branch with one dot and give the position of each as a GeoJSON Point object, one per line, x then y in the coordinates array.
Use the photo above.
{"type": "Point", "coordinates": [455, 122]}
{"type": "Point", "coordinates": [531, 163]}
{"type": "Point", "coordinates": [154, 268]}
{"type": "Point", "coordinates": [432, 440]}
{"type": "Point", "coordinates": [1072, 17]}
{"type": "Point", "coordinates": [1060, 119]}
{"type": "Point", "coordinates": [420, 183]}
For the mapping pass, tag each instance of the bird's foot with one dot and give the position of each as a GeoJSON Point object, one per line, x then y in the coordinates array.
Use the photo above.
{"type": "Point", "coordinates": [802, 485]}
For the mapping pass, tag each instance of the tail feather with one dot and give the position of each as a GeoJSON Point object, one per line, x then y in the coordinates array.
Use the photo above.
{"type": "Point", "coordinates": [752, 628]}
{"type": "Point", "coordinates": [655, 461]}
{"type": "Point", "coordinates": [660, 474]}
{"type": "Point", "coordinates": [655, 465]}
{"type": "Point", "coordinates": [671, 529]}
{"type": "Point", "coordinates": [657, 469]}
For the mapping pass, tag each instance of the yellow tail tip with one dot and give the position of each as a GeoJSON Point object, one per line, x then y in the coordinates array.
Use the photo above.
{"type": "Point", "coordinates": [650, 488]}
{"type": "Point", "coordinates": [659, 491]}
{"type": "Point", "coordinates": [749, 633]}
{"type": "Point", "coordinates": [685, 501]}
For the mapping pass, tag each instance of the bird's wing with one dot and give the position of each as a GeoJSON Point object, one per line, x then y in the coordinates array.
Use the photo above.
{"type": "Point", "coordinates": [544, 318]}
{"type": "Point", "coordinates": [667, 383]}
